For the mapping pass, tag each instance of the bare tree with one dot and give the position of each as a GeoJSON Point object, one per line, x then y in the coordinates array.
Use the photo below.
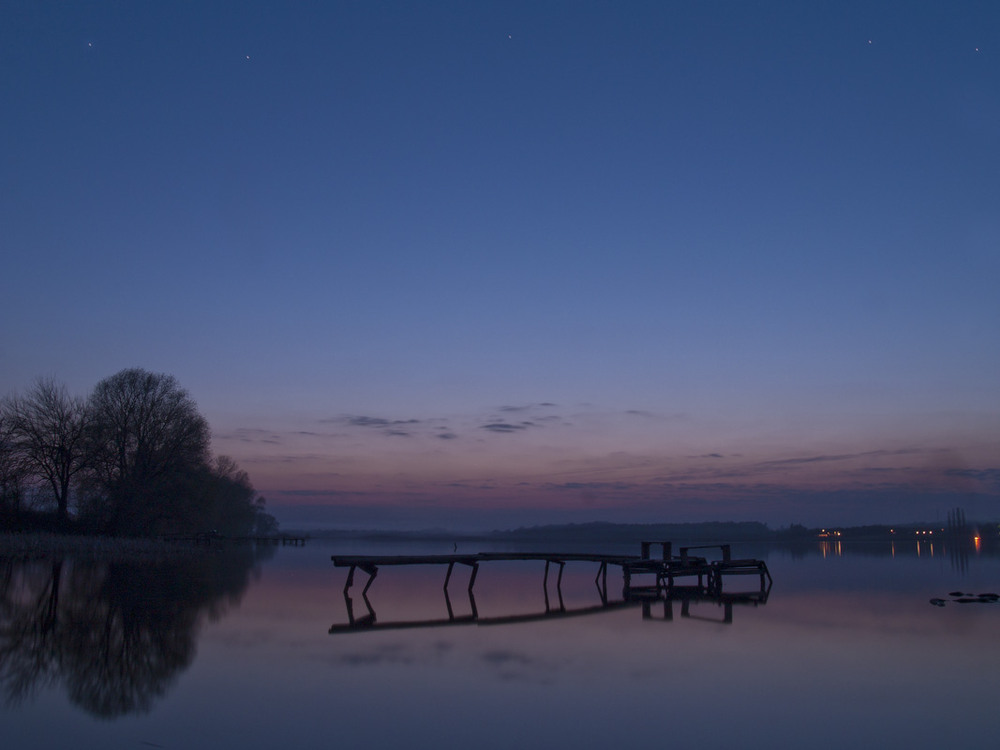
{"type": "Point", "coordinates": [11, 468]}
{"type": "Point", "coordinates": [146, 439]}
{"type": "Point", "coordinates": [47, 429]}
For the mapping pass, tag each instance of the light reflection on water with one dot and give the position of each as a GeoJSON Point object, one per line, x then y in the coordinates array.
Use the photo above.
{"type": "Point", "coordinates": [846, 649]}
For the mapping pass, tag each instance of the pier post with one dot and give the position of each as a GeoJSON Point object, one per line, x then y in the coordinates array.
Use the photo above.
{"type": "Point", "coordinates": [372, 571]}
{"type": "Point", "coordinates": [601, 581]}
{"type": "Point", "coordinates": [472, 580]}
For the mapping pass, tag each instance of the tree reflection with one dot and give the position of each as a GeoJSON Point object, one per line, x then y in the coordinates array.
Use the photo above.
{"type": "Point", "coordinates": [114, 635]}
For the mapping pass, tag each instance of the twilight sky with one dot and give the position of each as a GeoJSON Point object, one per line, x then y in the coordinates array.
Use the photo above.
{"type": "Point", "coordinates": [480, 264]}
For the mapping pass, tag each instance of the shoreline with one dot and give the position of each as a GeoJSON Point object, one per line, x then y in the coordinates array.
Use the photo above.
{"type": "Point", "coordinates": [34, 544]}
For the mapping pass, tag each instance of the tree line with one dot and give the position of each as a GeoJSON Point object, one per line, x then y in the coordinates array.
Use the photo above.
{"type": "Point", "coordinates": [131, 459]}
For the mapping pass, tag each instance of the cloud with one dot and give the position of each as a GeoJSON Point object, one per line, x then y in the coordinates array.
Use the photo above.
{"type": "Point", "coordinates": [364, 421]}
{"type": "Point", "coordinates": [985, 475]}
{"type": "Point", "coordinates": [989, 478]}
{"type": "Point", "coordinates": [389, 427]}
{"type": "Point", "coordinates": [291, 458]}
{"type": "Point", "coordinates": [644, 414]}
{"type": "Point", "coordinates": [251, 435]}
{"type": "Point", "coordinates": [507, 426]}
{"type": "Point", "coordinates": [528, 407]}
{"type": "Point", "coordinates": [593, 486]}
{"type": "Point", "coordinates": [837, 457]}
{"type": "Point", "coordinates": [316, 493]}
{"type": "Point", "coordinates": [446, 436]}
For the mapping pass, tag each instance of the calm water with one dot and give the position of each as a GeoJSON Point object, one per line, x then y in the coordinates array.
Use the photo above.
{"type": "Point", "coordinates": [252, 652]}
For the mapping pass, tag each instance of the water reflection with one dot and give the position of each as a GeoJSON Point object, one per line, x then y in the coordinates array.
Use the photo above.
{"type": "Point", "coordinates": [114, 635]}
{"type": "Point", "coordinates": [852, 636]}
{"type": "Point", "coordinates": [959, 551]}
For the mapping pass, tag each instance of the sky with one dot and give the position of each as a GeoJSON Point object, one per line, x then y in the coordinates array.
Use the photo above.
{"type": "Point", "coordinates": [493, 264]}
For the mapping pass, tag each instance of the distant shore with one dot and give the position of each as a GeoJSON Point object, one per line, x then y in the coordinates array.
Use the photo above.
{"type": "Point", "coordinates": [702, 532]}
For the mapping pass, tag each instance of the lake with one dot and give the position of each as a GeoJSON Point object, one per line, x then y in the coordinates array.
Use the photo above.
{"type": "Point", "coordinates": [256, 649]}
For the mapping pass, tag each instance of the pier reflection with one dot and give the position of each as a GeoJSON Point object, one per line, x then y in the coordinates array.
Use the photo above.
{"type": "Point", "coordinates": [114, 635]}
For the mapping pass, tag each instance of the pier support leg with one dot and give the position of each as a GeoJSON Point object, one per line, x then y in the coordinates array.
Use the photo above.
{"type": "Point", "coordinates": [447, 603]}
{"type": "Point", "coordinates": [451, 567]}
{"type": "Point", "coordinates": [602, 586]}
{"type": "Point", "coordinates": [372, 571]}
{"type": "Point", "coordinates": [472, 580]}
{"type": "Point", "coordinates": [358, 622]}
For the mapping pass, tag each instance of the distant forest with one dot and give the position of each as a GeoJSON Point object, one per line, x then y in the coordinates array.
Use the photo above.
{"type": "Point", "coordinates": [956, 528]}
{"type": "Point", "coordinates": [750, 531]}
{"type": "Point", "coordinates": [131, 459]}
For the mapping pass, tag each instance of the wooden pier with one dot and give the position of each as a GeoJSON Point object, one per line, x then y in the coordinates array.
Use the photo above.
{"type": "Point", "coordinates": [648, 581]}
{"type": "Point", "coordinates": [665, 571]}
